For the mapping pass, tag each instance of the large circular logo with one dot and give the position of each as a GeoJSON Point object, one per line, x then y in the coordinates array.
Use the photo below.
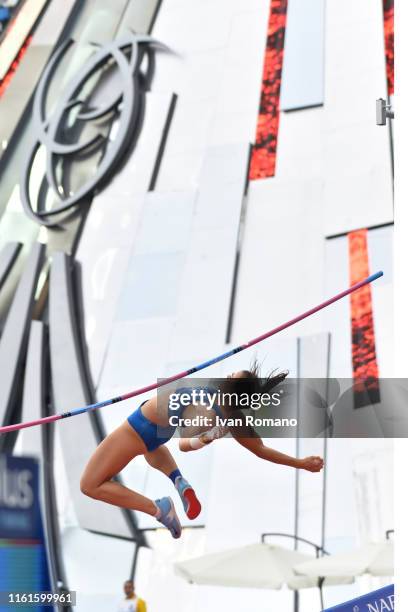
{"type": "Point", "coordinates": [61, 134]}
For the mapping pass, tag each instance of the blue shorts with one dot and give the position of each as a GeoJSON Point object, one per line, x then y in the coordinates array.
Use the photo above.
{"type": "Point", "coordinates": [153, 435]}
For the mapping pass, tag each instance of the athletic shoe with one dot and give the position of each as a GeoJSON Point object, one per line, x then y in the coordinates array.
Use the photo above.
{"type": "Point", "coordinates": [168, 516]}
{"type": "Point", "coordinates": [192, 506]}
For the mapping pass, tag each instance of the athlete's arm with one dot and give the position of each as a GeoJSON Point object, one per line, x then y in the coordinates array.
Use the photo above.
{"type": "Point", "coordinates": [257, 447]}
{"type": "Point", "coordinates": [192, 444]}
{"type": "Point", "coordinates": [248, 438]}
{"type": "Point", "coordinates": [203, 439]}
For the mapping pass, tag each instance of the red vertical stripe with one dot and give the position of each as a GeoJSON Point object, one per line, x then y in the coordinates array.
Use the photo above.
{"type": "Point", "coordinates": [11, 71]}
{"type": "Point", "coordinates": [364, 357]}
{"type": "Point", "coordinates": [263, 158]}
{"type": "Point", "coordinates": [389, 42]}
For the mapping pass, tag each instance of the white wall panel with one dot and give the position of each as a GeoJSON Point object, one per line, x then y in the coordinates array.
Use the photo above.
{"type": "Point", "coordinates": [338, 317]}
{"type": "Point", "coordinates": [282, 258]}
{"type": "Point", "coordinates": [205, 290]}
{"type": "Point", "coordinates": [357, 186]}
{"type": "Point", "coordinates": [341, 142]}
{"type": "Point", "coordinates": [52, 22]}
{"type": "Point", "coordinates": [144, 337]}
{"type": "Point", "coordinates": [136, 354]}
{"type": "Point", "coordinates": [190, 125]}
{"type": "Point", "coordinates": [313, 363]}
{"type": "Point", "coordinates": [300, 147]}
{"type": "Point", "coordinates": [356, 157]}
{"type": "Point", "coordinates": [199, 74]}
{"type": "Point", "coordinates": [243, 62]}
{"type": "Point", "coordinates": [193, 26]}
{"type": "Point", "coordinates": [303, 59]}
{"type": "Point", "coordinates": [380, 252]}
{"type": "Point", "coordinates": [138, 16]}
{"type": "Point", "coordinates": [314, 353]}
{"type": "Point", "coordinates": [180, 171]}
{"type": "Point", "coordinates": [110, 231]}
{"type": "Point", "coordinates": [166, 223]}
{"type": "Point", "coordinates": [216, 71]}
{"type": "Point", "coordinates": [154, 280]}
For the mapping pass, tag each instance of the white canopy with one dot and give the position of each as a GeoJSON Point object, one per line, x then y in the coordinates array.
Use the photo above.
{"type": "Point", "coordinates": [261, 566]}
{"type": "Point", "coordinates": [376, 559]}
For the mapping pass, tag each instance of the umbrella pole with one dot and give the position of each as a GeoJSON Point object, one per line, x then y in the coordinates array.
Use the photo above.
{"type": "Point", "coordinates": [321, 580]}
{"type": "Point", "coordinates": [296, 601]}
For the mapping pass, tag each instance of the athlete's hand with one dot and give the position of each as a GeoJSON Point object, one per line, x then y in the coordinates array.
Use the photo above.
{"type": "Point", "coordinates": [312, 464]}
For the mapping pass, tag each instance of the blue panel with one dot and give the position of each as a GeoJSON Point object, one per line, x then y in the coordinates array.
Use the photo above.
{"type": "Point", "coordinates": [23, 561]}
{"type": "Point", "coordinates": [303, 58]}
{"type": "Point", "coordinates": [382, 599]}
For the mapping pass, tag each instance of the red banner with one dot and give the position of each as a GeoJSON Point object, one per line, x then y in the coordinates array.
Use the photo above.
{"type": "Point", "coordinates": [263, 159]}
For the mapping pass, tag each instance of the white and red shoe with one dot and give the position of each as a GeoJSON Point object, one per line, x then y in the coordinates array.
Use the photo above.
{"type": "Point", "coordinates": [192, 506]}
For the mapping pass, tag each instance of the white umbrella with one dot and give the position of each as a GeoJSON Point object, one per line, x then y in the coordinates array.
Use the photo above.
{"type": "Point", "coordinates": [376, 559]}
{"type": "Point", "coordinates": [261, 566]}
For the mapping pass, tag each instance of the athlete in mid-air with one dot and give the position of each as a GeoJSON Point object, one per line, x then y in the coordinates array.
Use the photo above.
{"type": "Point", "coordinates": [146, 431]}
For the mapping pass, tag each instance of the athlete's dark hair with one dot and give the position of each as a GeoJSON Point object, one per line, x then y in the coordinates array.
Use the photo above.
{"type": "Point", "coordinates": [252, 382]}
{"type": "Point", "coordinates": [263, 384]}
